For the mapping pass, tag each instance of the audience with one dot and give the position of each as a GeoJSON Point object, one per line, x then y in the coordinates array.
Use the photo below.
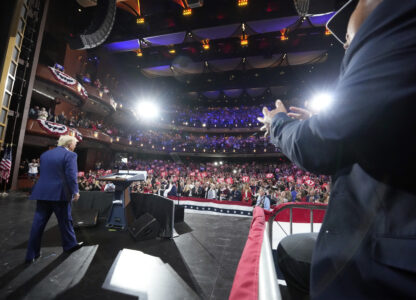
{"type": "Point", "coordinates": [261, 184]}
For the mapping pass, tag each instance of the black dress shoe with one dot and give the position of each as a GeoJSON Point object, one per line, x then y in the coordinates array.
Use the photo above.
{"type": "Point", "coordinates": [75, 248]}
{"type": "Point", "coordinates": [30, 261]}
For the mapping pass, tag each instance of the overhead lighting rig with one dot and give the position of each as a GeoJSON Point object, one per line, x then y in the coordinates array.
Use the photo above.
{"type": "Point", "coordinates": [283, 35]}
{"type": "Point", "coordinates": [242, 3]}
{"type": "Point", "coordinates": [187, 11]}
{"type": "Point", "coordinates": [205, 44]}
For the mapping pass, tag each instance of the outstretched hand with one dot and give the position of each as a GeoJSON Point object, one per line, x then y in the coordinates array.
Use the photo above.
{"type": "Point", "coordinates": [299, 113]}
{"type": "Point", "coordinates": [269, 114]}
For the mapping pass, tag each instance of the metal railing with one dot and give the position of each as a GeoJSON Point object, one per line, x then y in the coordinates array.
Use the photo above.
{"type": "Point", "coordinates": [290, 206]}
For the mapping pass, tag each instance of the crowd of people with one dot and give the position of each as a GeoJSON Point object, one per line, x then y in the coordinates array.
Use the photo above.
{"type": "Point", "coordinates": [243, 182]}
{"type": "Point", "coordinates": [169, 141]}
{"type": "Point", "coordinates": [215, 117]}
{"type": "Point", "coordinates": [166, 140]}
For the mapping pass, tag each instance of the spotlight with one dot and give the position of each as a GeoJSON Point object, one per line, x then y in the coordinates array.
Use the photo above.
{"type": "Point", "coordinates": [283, 35]}
{"type": "Point", "coordinates": [234, 171]}
{"type": "Point", "coordinates": [242, 3]}
{"type": "Point", "coordinates": [140, 20]}
{"type": "Point", "coordinates": [139, 53]}
{"type": "Point", "coordinates": [205, 44]}
{"type": "Point", "coordinates": [320, 102]}
{"type": "Point", "coordinates": [187, 12]}
{"type": "Point", "coordinates": [172, 51]}
{"type": "Point", "coordinates": [147, 110]}
{"type": "Point", "coordinates": [215, 164]}
{"type": "Point", "coordinates": [221, 163]}
{"type": "Point", "coordinates": [244, 41]}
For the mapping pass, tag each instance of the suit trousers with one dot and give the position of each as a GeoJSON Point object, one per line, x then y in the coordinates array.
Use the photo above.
{"type": "Point", "coordinates": [44, 209]}
{"type": "Point", "coordinates": [294, 257]}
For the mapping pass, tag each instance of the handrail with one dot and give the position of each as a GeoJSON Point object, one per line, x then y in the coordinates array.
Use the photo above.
{"type": "Point", "coordinates": [290, 206]}
{"type": "Point", "coordinates": [268, 284]}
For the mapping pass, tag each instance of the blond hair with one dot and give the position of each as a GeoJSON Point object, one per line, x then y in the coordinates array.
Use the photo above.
{"type": "Point", "coordinates": [65, 140]}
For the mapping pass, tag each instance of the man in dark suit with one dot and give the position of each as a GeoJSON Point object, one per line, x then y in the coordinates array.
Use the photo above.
{"type": "Point", "coordinates": [54, 191]}
{"type": "Point", "coordinates": [367, 243]}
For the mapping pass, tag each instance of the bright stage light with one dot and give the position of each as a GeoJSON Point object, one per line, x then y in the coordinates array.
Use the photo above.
{"type": "Point", "coordinates": [148, 110]}
{"type": "Point", "coordinates": [320, 102]}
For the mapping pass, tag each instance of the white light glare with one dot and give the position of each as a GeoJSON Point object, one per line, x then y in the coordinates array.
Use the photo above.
{"type": "Point", "coordinates": [147, 110]}
{"type": "Point", "coordinates": [320, 102]}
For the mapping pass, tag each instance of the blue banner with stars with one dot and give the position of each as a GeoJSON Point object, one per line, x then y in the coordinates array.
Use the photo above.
{"type": "Point", "coordinates": [215, 208]}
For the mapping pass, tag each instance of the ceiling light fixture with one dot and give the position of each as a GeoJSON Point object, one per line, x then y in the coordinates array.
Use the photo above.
{"type": "Point", "coordinates": [244, 40]}
{"type": "Point", "coordinates": [242, 3]}
{"type": "Point", "coordinates": [187, 12]}
{"type": "Point", "coordinates": [283, 36]}
{"type": "Point", "coordinates": [205, 44]}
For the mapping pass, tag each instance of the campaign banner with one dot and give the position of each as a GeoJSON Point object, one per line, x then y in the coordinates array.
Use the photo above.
{"type": "Point", "coordinates": [310, 182]}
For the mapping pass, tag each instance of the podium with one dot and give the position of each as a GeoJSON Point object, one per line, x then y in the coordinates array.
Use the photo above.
{"type": "Point", "coordinates": [120, 211]}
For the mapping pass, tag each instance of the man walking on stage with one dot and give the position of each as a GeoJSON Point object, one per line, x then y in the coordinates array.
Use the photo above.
{"type": "Point", "coordinates": [54, 191]}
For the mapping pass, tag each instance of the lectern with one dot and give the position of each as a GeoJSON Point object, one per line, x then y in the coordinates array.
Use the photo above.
{"type": "Point", "coordinates": [120, 211]}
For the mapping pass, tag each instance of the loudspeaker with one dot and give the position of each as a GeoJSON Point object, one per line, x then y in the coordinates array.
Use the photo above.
{"type": "Point", "coordinates": [145, 227]}
{"type": "Point", "coordinates": [195, 3]}
{"type": "Point", "coordinates": [84, 218]}
{"type": "Point", "coordinates": [314, 7]}
{"type": "Point", "coordinates": [99, 29]}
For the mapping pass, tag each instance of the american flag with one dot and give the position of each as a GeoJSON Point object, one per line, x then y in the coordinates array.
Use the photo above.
{"type": "Point", "coordinates": [6, 164]}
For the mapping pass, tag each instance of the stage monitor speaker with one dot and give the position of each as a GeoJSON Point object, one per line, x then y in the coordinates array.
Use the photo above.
{"type": "Point", "coordinates": [99, 29]}
{"type": "Point", "coordinates": [84, 217]}
{"type": "Point", "coordinates": [145, 227]}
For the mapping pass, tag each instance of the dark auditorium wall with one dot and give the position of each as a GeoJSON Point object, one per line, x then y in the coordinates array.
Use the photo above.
{"type": "Point", "coordinates": [87, 160]}
{"type": "Point", "coordinates": [74, 61]}
{"type": "Point", "coordinates": [65, 107]}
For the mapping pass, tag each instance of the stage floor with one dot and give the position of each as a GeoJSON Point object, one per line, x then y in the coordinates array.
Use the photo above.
{"type": "Point", "coordinates": [204, 256]}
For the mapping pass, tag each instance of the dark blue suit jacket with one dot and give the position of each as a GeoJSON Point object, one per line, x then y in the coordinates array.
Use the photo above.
{"type": "Point", "coordinates": [58, 176]}
{"type": "Point", "coordinates": [366, 248]}
{"type": "Point", "coordinates": [173, 191]}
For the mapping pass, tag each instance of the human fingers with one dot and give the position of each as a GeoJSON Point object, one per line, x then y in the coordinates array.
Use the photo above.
{"type": "Point", "coordinates": [295, 116]}
{"type": "Point", "coordinates": [263, 128]}
{"type": "Point", "coordinates": [280, 107]}
{"type": "Point", "coordinates": [299, 110]}
{"type": "Point", "coordinates": [260, 119]}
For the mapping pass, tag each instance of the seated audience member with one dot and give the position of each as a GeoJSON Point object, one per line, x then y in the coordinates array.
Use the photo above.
{"type": "Point", "coordinates": [33, 170]}
{"type": "Point", "coordinates": [246, 194]}
{"type": "Point", "coordinates": [197, 190]}
{"type": "Point", "coordinates": [235, 194]}
{"type": "Point", "coordinates": [43, 114]}
{"type": "Point", "coordinates": [34, 112]}
{"type": "Point", "coordinates": [95, 185]}
{"type": "Point", "coordinates": [171, 189]}
{"type": "Point", "coordinates": [224, 192]}
{"type": "Point", "coordinates": [110, 187]}
{"type": "Point", "coordinates": [212, 193]}
{"type": "Point", "coordinates": [262, 200]}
